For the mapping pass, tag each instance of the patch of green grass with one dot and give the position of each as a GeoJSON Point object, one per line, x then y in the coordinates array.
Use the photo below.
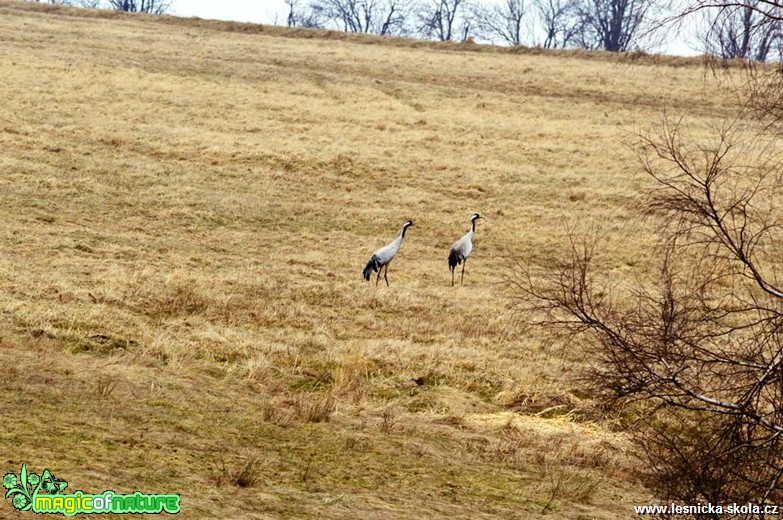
{"type": "Point", "coordinates": [99, 344]}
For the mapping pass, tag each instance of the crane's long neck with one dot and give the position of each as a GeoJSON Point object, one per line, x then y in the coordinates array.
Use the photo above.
{"type": "Point", "coordinates": [397, 242]}
{"type": "Point", "coordinates": [404, 230]}
{"type": "Point", "coordinates": [473, 226]}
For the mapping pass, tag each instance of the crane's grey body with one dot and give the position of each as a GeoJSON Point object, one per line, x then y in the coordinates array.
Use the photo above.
{"type": "Point", "coordinates": [462, 248]}
{"type": "Point", "coordinates": [381, 259]}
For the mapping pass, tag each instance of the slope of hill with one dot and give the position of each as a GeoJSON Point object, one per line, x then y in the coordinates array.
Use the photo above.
{"type": "Point", "coordinates": [186, 210]}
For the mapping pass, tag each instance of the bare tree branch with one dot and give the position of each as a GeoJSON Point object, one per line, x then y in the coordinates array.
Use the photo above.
{"type": "Point", "coordinates": [502, 22]}
{"type": "Point", "coordinates": [382, 17]}
{"type": "Point", "coordinates": [444, 19]}
{"type": "Point", "coordinates": [697, 349]}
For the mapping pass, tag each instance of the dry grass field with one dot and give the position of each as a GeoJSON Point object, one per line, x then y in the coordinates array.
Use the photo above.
{"type": "Point", "coordinates": [186, 210]}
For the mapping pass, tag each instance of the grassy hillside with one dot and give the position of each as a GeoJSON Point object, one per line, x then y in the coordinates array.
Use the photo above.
{"type": "Point", "coordinates": [186, 210]}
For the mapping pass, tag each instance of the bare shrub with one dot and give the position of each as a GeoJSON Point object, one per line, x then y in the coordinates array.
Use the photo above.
{"type": "Point", "coordinates": [695, 351]}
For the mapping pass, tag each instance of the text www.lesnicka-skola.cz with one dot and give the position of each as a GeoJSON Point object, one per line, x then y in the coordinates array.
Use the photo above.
{"type": "Point", "coordinates": [701, 509]}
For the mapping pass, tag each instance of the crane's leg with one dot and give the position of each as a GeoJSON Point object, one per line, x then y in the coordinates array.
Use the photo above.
{"type": "Point", "coordinates": [385, 272]}
{"type": "Point", "coordinates": [379, 277]}
{"type": "Point", "coordinates": [463, 271]}
{"type": "Point", "coordinates": [452, 277]}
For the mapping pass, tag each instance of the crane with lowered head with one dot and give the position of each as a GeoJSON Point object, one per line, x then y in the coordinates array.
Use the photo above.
{"type": "Point", "coordinates": [381, 259]}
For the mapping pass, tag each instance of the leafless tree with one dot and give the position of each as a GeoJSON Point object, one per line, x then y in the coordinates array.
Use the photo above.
{"type": "Point", "coordinates": [746, 29]}
{"type": "Point", "coordinates": [444, 19]}
{"type": "Point", "coordinates": [140, 6]}
{"type": "Point", "coordinates": [559, 22]}
{"type": "Point", "coordinates": [383, 17]}
{"type": "Point", "coordinates": [743, 32]}
{"type": "Point", "coordinates": [300, 15]}
{"type": "Point", "coordinates": [696, 353]}
{"type": "Point", "coordinates": [502, 22]}
{"type": "Point", "coordinates": [612, 25]}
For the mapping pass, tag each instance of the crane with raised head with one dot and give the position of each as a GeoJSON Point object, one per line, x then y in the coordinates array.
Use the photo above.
{"type": "Point", "coordinates": [462, 248]}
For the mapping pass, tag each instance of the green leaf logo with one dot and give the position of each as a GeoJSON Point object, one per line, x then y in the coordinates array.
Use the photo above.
{"type": "Point", "coordinates": [19, 489]}
{"type": "Point", "coordinates": [25, 488]}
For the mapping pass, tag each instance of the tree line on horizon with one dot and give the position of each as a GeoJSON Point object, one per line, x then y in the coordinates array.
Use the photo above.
{"type": "Point", "coordinates": [743, 29]}
{"type": "Point", "coordinates": [130, 6]}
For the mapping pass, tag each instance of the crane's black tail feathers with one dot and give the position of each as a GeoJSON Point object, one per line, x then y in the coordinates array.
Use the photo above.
{"type": "Point", "coordinates": [454, 259]}
{"type": "Point", "coordinates": [372, 266]}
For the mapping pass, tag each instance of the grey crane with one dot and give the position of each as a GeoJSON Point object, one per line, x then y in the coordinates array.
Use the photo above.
{"type": "Point", "coordinates": [381, 259]}
{"type": "Point", "coordinates": [462, 248]}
